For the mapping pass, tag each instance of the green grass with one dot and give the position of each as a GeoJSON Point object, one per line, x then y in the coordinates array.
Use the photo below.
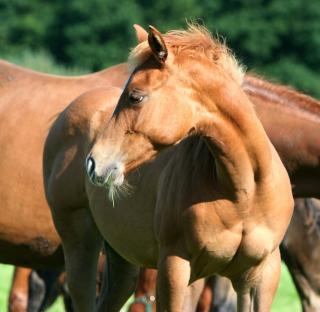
{"type": "Point", "coordinates": [286, 298]}
{"type": "Point", "coordinates": [6, 272]}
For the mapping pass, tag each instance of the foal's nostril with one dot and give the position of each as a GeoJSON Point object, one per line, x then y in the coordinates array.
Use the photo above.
{"type": "Point", "coordinates": [90, 166]}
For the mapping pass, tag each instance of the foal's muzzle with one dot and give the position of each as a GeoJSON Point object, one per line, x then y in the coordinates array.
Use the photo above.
{"type": "Point", "coordinates": [106, 176]}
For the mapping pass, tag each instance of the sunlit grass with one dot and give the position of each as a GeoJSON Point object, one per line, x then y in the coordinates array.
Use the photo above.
{"type": "Point", "coordinates": [6, 272]}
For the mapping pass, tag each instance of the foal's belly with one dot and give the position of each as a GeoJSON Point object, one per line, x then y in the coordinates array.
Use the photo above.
{"type": "Point", "coordinates": [127, 227]}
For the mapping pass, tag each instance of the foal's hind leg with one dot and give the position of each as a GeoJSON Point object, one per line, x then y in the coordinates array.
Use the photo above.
{"type": "Point", "coordinates": [119, 281]}
{"type": "Point", "coordinates": [256, 287]}
{"type": "Point", "coordinates": [81, 245]}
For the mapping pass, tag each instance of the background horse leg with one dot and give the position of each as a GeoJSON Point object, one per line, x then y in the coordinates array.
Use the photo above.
{"type": "Point", "coordinates": [18, 298]}
{"type": "Point", "coordinates": [205, 300]}
{"type": "Point", "coordinates": [44, 288]}
{"type": "Point", "coordinates": [300, 250]}
{"type": "Point", "coordinates": [118, 283]}
{"type": "Point", "coordinates": [224, 296]}
{"type": "Point", "coordinates": [256, 287]}
{"type": "Point", "coordinates": [218, 296]}
{"type": "Point", "coordinates": [81, 245]}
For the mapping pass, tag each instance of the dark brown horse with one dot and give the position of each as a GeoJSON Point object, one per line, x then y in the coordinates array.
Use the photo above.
{"type": "Point", "coordinates": [227, 172]}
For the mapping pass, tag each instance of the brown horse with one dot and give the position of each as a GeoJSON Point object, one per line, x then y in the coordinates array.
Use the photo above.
{"type": "Point", "coordinates": [298, 144]}
{"type": "Point", "coordinates": [227, 172]}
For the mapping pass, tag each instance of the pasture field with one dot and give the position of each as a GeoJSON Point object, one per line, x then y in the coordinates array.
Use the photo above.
{"type": "Point", "coordinates": [286, 299]}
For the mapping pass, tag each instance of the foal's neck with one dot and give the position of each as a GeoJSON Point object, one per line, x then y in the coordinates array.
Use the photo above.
{"type": "Point", "coordinates": [235, 137]}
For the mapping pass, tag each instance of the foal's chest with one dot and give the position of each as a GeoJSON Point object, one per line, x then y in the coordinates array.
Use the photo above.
{"type": "Point", "coordinates": [220, 242]}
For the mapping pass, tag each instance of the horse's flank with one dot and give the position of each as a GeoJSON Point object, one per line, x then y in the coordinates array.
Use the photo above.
{"type": "Point", "coordinates": [292, 122]}
{"type": "Point", "coordinates": [29, 103]}
{"type": "Point", "coordinates": [282, 95]}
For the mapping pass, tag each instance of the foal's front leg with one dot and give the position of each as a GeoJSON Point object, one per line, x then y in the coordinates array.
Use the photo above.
{"type": "Point", "coordinates": [257, 287]}
{"type": "Point", "coordinates": [173, 280]}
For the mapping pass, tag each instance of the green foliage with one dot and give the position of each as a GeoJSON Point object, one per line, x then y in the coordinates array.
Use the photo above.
{"type": "Point", "coordinates": [277, 38]}
{"type": "Point", "coordinates": [93, 33]}
{"type": "Point", "coordinates": [24, 24]}
{"type": "Point", "coordinates": [274, 37]}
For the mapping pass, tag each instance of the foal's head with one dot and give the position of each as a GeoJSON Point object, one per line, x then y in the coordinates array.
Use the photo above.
{"type": "Point", "coordinates": [175, 81]}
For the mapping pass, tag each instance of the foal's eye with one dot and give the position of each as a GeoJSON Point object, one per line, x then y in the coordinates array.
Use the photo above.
{"type": "Point", "coordinates": [135, 98]}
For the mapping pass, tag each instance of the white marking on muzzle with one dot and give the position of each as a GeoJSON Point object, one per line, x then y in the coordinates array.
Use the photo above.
{"type": "Point", "coordinates": [115, 181]}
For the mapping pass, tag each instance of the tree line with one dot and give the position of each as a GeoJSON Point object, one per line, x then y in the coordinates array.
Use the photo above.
{"type": "Point", "coordinates": [275, 38]}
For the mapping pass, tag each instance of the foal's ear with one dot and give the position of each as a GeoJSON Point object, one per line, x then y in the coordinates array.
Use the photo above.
{"type": "Point", "coordinates": [141, 33]}
{"type": "Point", "coordinates": [157, 45]}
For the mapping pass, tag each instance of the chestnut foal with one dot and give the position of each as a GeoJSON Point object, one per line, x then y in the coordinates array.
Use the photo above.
{"type": "Point", "coordinates": [215, 202]}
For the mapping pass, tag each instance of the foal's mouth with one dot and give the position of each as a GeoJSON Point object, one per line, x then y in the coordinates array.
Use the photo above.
{"type": "Point", "coordinates": [111, 175]}
{"type": "Point", "coordinates": [110, 178]}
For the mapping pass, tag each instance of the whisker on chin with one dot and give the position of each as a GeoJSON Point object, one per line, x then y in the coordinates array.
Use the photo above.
{"type": "Point", "coordinates": [117, 191]}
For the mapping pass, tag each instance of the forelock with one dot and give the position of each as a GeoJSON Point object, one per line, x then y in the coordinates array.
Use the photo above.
{"type": "Point", "coordinates": [192, 42]}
